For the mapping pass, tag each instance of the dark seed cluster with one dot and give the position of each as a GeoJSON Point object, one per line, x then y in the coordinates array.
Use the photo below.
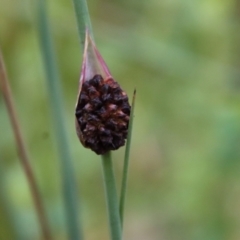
{"type": "Point", "coordinates": [102, 115]}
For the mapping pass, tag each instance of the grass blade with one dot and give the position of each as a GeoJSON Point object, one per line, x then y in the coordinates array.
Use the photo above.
{"type": "Point", "coordinates": [55, 95]}
{"type": "Point", "coordinates": [111, 195]}
{"type": "Point", "coordinates": [126, 161]}
{"type": "Point", "coordinates": [22, 151]}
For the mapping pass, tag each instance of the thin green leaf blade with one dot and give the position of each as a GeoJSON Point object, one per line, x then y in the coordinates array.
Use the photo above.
{"type": "Point", "coordinates": [126, 161]}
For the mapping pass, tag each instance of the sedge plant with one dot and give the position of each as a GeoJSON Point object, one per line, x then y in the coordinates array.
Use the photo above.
{"type": "Point", "coordinates": [104, 118]}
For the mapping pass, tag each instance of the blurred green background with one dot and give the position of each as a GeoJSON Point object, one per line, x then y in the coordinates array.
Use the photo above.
{"type": "Point", "coordinates": [183, 57]}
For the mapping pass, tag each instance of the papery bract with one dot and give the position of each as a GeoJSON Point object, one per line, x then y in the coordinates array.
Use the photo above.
{"type": "Point", "coordinates": [93, 62]}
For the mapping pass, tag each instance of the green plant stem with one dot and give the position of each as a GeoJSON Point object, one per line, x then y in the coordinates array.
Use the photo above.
{"type": "Point", "coordinates": [111, 195]}
{"type": "Point", "coordinates": [22, 151]}
{"type": "Point", "coordinates": [56, 104]}
{"type": "Point", "coordinates": [83, 19]}
{"type": "Point", "coordinates": [126, 161]}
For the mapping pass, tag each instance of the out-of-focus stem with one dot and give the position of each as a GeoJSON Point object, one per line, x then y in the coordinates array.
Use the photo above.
{"type": "Point", "coordinates": [22, 151]}
{"type": "Point", "coordinates": [56, 104]}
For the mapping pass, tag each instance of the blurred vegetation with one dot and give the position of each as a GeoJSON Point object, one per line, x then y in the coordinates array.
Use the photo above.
{"type": "Point", "coordinates": [183, 57]}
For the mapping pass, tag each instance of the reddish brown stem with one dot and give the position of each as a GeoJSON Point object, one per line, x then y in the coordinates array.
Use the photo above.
{"type": "Point", "coordinates": [22, 151]}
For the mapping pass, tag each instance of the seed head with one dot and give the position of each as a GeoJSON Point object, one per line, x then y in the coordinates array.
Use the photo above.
{"type": "Point", "coordinates": [102, 110]}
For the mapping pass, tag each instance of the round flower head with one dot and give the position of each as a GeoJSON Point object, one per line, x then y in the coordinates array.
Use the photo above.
{"type": "Point", "coordinates": [102, 110]}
